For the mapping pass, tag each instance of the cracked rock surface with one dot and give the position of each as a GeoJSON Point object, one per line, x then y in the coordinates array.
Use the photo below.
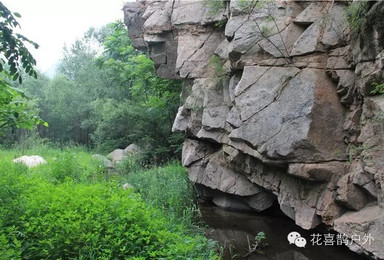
{"type": "Point", "coordinates": [280, 106]}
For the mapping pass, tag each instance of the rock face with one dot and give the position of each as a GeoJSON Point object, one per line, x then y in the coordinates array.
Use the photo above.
{"type": "Point", "coordinates": [277, 104]}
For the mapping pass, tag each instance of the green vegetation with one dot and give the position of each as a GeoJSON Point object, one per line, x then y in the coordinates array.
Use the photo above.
{"type": "Point", "coordinates": [214, 6]}
{"type": "Point", "coordinates": [356, 13]}
{"type": "Point", "coordinates": [378, 88]}
{"type": "Point", "coordinates": [249, 5]}
{"type": "Point", "coordinates": [260, 239]}
{"type": "Point", "coordinates": [218, 70]}
{"type": "Point", "coordinates": [16, 54]}
{"type": "Point", "coordinates": [15, 59]}
{"type": "Point", "coordinates": [102, 84]}
{"type": "Point", "coordinates": [106, 95]}
{"type": "Point", "coordinates": [68, 209]}
{"type": "Point", "coordinates": [258, 244]}
{"type": "Point", "coordinates": [167, 188]}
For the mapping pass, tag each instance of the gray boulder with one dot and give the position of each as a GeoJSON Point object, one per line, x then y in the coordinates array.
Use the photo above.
{"type": "Point", "coordinates": [367, 222]}
{"type": "Point", "coordinates": [116, 156]}
{"type": "Point", "coordinates": [132, 149]}
{"type": "Point", "coordinates": [103, 160]}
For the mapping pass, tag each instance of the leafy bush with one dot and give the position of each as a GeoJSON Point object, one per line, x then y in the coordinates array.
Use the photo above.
{"type": "Point", "coordinates": [74, 218]}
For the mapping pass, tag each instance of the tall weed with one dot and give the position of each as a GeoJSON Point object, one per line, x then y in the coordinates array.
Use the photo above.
{"type": "Point", "coordinates": [169, 189]}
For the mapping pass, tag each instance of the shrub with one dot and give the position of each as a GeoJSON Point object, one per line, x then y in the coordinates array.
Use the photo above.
{"type": "Point", "coordinates": [42, 218]}
{"type": "Point", "coordinates": [97, 221]}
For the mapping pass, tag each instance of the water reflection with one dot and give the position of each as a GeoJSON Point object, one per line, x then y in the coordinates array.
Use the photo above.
{"type": "Point", "coordinates": [232, 228]}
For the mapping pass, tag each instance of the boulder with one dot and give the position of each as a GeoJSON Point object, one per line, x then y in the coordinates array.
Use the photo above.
{"type": "Point", "coordinates": [367, 227]}
{"type": "Point", "coordinates": [362, 178]}
{"type": "Point", "coordinates": [349, 194]}
{"type": "Point", "coordinates": [317, 171]}
{"type": "Point", "coordinates": [309, 14]}
{"type": "Point", "coordinates": [194, 52]}
{"type": "Point", "coordinates": [133, 14]}
{"type": "Point", "coordinates": [194, 12]}
{"type": "Point", "coordinates": [103, 160]}
{"type": "Point", "coordinates": [181, 121]}
{"type": "Point", "coordinates": [132, 149]}
{"type": "Point", "coordinates": [258, 202]}
{"type": "Point", "coordinates": [193, 151]}
{"type": "Point", "coordinates": [214, 174]}
{"type": "Point", "coordinates": [228, 201]}
{"type": "Point", "coordinates": [116, 155]}
{"type": "Point", "coordinates": [30, 160]}
{"type": "Point", "coordinates": [159, 20]}
{"type": "Point", "coordinates": [296, 207]}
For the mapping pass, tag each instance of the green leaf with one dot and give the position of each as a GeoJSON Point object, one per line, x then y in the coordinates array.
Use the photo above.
{"type": "Point", "coordinates": [15, 76]}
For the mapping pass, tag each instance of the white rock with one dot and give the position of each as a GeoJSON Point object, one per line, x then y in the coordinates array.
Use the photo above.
{"type": "Point", "coordinates": [30, 161]}
{"type": "Point", "coordinates": [127, 186]}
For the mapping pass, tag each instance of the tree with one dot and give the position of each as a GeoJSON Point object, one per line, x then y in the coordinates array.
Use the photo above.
{"type": "Point", "coordinates": [107, 95]}
{"type": "Point", "coordinates": [146, 113]}
{"type": "Point", "coordinates": [15, 58]}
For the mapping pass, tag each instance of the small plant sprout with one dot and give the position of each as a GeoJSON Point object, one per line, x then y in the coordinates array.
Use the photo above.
{"type": "Point", "coordinates": [258, 243]}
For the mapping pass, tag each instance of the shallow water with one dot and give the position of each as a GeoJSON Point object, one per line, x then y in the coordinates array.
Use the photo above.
{"type": "Point", "coordinates": [231, 229]}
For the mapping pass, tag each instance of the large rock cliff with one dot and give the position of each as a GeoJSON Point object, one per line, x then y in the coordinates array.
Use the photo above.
{"type": "Point", "coordinates": [277, 105]}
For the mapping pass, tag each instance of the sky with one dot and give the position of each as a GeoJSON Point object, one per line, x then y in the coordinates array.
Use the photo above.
{"type": "Point", "coordinates": [53, 23]}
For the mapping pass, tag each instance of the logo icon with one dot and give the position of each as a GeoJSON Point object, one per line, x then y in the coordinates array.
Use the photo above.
{"type": "Point", "coordinates": [295, 238]}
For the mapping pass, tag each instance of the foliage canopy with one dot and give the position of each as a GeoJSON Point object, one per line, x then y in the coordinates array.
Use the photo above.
{"type": "Point", "coordinates": [15, 59]}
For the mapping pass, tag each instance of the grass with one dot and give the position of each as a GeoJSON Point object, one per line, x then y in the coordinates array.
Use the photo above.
{"type": "Point", "coordinates": [70, 209]}
{"type": "Point", "coordinates": [356, 14]}
{"type": "Point", "coordinates": [169, 189]}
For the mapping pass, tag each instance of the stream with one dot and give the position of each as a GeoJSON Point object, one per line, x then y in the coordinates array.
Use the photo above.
{"type": "Point", "coordinates": [231, 229]}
